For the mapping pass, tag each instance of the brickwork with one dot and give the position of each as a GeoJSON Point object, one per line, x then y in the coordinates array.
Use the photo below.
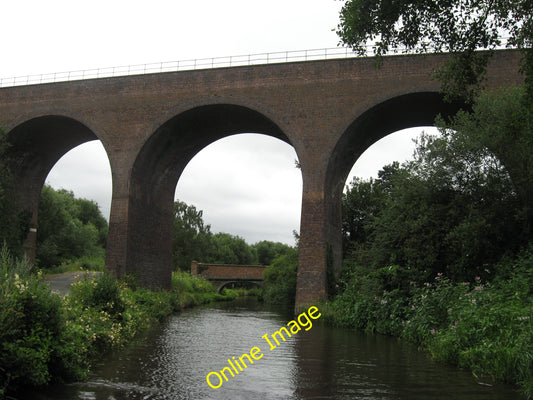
{"type": "Point", "coordinates": [222, 274]}
{"type": "Point", "coordinates": [151, 126]}
{"type": "Point", "coordinates": [228, 271]}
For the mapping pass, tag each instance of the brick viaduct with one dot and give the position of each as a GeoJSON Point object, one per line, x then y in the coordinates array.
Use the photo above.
{"type": "Point", "coordinates": [151, 126]}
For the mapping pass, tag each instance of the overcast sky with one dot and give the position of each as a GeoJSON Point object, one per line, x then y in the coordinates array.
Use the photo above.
{"type": "Point", "coordinates": [247, 185]}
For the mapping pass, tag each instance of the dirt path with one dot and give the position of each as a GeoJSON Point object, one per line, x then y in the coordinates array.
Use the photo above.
{"type": "Point", "coordinates": [61, 283]}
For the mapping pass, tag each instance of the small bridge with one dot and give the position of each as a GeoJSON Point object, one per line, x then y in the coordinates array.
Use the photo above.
{"type": "Point", "coordinates": [221, 275]}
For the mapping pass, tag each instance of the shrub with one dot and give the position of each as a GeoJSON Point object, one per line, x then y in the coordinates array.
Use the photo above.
{"type": "Point", "coordinates": [34, 340]}
{"type": "Point", "coordinates": [280, 279]}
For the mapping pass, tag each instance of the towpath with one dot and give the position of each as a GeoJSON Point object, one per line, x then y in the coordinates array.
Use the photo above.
{"type": "Point", "coordinates": [61, 283]}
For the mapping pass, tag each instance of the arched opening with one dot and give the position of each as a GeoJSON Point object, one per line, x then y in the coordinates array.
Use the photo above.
{"type": "Point", "coordinates": [247, 185]}
{"type": "Point", "coordinates": [80, 183]}
{"type": "Point", "coordinates": [407, 111]}
{"type": "Point", "coordinates": [157, 170]}
{"type": "Point", "coordinates": [239, 285]}
{"type": "Point", "coordinates": [395, 147]}
{"type": "Point", "coordinates": [36, 146]}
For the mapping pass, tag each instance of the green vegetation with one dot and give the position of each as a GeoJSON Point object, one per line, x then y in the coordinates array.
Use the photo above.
{"type": "Point", "coordinates": [439, 250]}
{"type": "Point", "coordinates": [46, 338]}
{"type": "Point", "coordinates": [458, 27]}
{"type": "Point", "coordinates": [280, 279]}
{"type": "Point", "coordinates": [69, 229]}
{"type": "Point", "coordinates": [193, 240]}
{"type": "Point", "coordinates": [486, 327]}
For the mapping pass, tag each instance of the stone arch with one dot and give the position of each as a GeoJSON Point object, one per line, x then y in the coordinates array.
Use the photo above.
{"type": "Point", "coordinates": [156, 171]}
{"type": "Point", "coordinates": [36, 146]}
{"type": "Point", "coordinates": [403, 111]}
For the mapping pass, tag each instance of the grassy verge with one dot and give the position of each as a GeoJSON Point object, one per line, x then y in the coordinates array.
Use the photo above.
{"type": "Point", "coordinates": [81, 264]}
{"type": "Point", "coordinates": [485, 327]}
{"type": "Point", "coordinates": [46, 338]}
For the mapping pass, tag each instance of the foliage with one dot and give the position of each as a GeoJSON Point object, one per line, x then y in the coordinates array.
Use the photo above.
{"type": "Point", "coordinates": [438, 250]}
{"type": "Point", "coordinates": [69, 228]}
{"type": "Point", "coordinates": [35, 344]}
{"type": "Point", "coordinates": [193, 240]}
{"type": "Point", "coordinates": [459, 27]}
{"type": "Point", "coordinates": [502, 121]}
{"type": "Point", "coordinates": [280, 279]}
{"type": "Point", "coordinates": [486, 327]}
{"type": "Point", "coordinates": [452, 209]}
{"type": "Point", "coordinates": [229, 249]}
{"type": "Point", "coordinates": [45, 338]}
{"type": "Point", "coordinates": [80, 264]}
{"type": "Point", "coordinates": [14, 223]}
{"type": "Point", "coordinates": [267, 251]}
{"type": "Point", "coordinates": [191, 236]}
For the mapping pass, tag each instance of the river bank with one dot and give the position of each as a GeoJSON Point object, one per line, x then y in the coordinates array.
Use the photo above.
{"type": "Point", "coordinates": [484, 327]}
{"type": "Point", "coordinates": [46, 337]}
{"type": "Point", "coordinates": [172, 361]}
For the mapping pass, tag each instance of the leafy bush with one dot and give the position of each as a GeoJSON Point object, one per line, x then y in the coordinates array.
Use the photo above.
{"type": "Point", "coordinates": [44, 337]}
{"type": "Point", "coordinates": [280, 279]}
{"type": "Point", "coordinates": [486, 327]}
{"type": "Point", "coordinates": [35, 345]}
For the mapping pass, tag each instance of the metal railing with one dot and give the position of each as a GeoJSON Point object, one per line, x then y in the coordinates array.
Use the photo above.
{"type": "Point", "coordinates": [183, 65]}
{"type": "Point", "coordinates": [196, 64]}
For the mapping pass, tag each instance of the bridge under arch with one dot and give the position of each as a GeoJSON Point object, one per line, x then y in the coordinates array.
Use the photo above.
{"type": "Point", "coordinates": [151, 125]}
{"type": "Point", "coordinates": [221, 275]}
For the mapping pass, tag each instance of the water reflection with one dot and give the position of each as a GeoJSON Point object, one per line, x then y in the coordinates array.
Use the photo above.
{"type": "Point", "coordinates": [322, 363]}
{"type": "Point", "coordinates": [346, 364]}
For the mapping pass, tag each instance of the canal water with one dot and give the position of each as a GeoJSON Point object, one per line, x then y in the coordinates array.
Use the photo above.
{"type": "Point", "coordinates": [172, 362]}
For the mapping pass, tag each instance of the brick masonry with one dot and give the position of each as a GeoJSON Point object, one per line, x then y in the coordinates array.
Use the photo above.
{"type": "Point", "coordinates": [151, 126]}
{"type": "Point", "coordinates": [222, 274]}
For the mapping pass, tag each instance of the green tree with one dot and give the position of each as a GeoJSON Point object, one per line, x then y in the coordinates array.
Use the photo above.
{"type": "Point", "coordinates": [280, 279]}
{"type": "Point", "coordinates": [230, 249]}
{"type": "Point", "coordinates": [502, 121]}
{"type": "Point", "coordinates": [267, 251]}
{"type": "Point", "coordinates": [191, 237]}
{"type": "Point", "coordinates": [459, 27]}
{"type": "Point", "coordinates": [69, 228]}
{"type": "Point", "coordinates": [362, 202]}
{"type": "Point", "coordinates": [453, 209]}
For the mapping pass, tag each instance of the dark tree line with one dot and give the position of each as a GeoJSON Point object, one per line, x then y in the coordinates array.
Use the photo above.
{"type": "Point", "coordinates": [193, 240]}
{"type": "Point", "coordinates": [456, 208]}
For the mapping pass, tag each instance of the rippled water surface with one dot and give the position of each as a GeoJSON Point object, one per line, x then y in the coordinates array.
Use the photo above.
{"type": "Point", "coordinates": [322, 363]}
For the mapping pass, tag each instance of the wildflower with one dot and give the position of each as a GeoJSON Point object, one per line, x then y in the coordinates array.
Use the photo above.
{"type": "Point", "coordinates": [478, 288]}
{"type": "Point", "coordinates": [432, 331]}
{"type": "Point", "coordinates": [478, 278]}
